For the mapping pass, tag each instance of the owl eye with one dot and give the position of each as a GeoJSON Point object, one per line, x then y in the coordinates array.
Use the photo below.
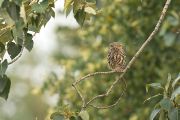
{"type": "Point", "coordinates": [111, 45]}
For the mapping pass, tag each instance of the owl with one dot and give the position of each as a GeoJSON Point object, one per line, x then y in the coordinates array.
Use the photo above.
{"type": "Point", "coordinates": [116, 57]}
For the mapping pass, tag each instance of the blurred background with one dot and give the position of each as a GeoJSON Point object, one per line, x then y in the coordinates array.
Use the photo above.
{"type": "Point", "coordinates": [63, 52]}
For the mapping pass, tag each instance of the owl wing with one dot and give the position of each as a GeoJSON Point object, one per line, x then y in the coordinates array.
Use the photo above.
{"type": "Point", "coordinates": [111, 59]}
{"type": "Point", "coordinates": [120, 58]}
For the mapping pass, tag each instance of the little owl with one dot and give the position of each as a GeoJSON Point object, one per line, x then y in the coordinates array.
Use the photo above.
{"type": "Point", "coordinates": [116, 57]}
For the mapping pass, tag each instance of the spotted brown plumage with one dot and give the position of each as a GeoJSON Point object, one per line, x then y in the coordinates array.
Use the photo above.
{"type": "Point", "coordinates": [116, 57]}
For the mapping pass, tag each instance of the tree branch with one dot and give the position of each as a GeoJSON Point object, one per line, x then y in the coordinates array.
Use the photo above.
{"type": "Point", "coordinates": [109, 106]}
{"type": "Point", "coordinates": [92, 74]}
{"type": "Point", "coordinates": [153, 33]}
{"type": "Point", "coordinates": [84, 104]}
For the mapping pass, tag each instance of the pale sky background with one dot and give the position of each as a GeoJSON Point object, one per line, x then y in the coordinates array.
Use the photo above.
{"type": "Point", "coordinates": [47, 36]}
{"type": "Point", "coordinates": [45, 41]}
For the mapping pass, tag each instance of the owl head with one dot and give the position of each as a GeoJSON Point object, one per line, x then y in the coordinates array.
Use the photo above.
{"type": "Point", "coordinates": [116, 45]}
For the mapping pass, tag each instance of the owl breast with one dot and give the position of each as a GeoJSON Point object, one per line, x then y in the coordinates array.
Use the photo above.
{"type": "Point", "coordinates": [116, 59]}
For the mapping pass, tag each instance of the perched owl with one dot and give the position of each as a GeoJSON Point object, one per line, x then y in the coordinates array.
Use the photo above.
{"type": "Point", "coordinates": [116, 57]}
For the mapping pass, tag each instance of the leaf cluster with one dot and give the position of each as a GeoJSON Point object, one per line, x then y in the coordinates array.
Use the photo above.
{"type": "Point", "coordinates": [81, 9]}
{"type": "Point", "coordinates": [66, 114]}
{"type": "Point", "coordinates": [168, 105]}
{"type": "Point", "coordinates": [18, 20]}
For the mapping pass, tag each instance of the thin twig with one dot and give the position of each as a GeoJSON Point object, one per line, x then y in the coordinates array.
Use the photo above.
{"type": "Point", "coordinates": [103, 95]}
{"type": "Point", "coordinates": [109, 106]}
{"type": "Point", "coordinates": [83, 78]}
{"type": "Point", "coordinates": [20, 54]}
{"type": "Point", "coordinates": [82, 97]}
{"type": "Point", "coordinates": [92, 74]}
{"type": "Point", "coordinates": [112, 105]}
{"type": "Point", "coordinates": [153, 33]}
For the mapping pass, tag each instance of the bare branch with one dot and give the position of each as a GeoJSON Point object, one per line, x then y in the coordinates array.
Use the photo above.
{"type": "Point", "coordinates": [106, 94]}
{"type": "Point", "coordinates": [81, 96]}
{"type": "Point", "coordinates": [109, 106]}
{"type": "Point", "coordinates": [83, 78]}
{"type": "Point", "coordinates": [93, 74]}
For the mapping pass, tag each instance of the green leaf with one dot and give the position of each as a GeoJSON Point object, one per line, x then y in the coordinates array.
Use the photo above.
{"type": "Point", "coordinates": [51, 3]}
{"type": "Point", "coordinates": [8, 20]}
{"type": "Point", "coordinates": [5, 34]}
{"type": "Point", "coordinates": [84, 115]}
{"type": "Point", "coordinates": [3, 67]}
{"type": "Point", "coordinates": [76, 6]}
{"type": "Point", "coordinates": [166, 104]}
{"type": "Point", "coordinates": [1, 1]}
{"type": "Point", "coordinates": [5, 90]}
{"type": "Point", "coordinates": [38, 20]}
{"type": "Point", "coordinates": [80, 17]}
{"type": "Point", "coordinates": [23, 13]}
{"type": "Point", "coordinates": [168, 83]}
{"type": "Point", "coordinates": [72, 118]}
{"type": "Point", "coordinates": [29, 42]}
{"type": "Point", "coordinates": [1, 20]}
{"type": "Point", "coordinates": [18, 2]}
{"type": "Point", "coordinates": [13, 11]}
{"type": "Point", "coordinates": [153, 85]}
{"type": "Point", "coordinates": [152, 97]}
{"type": "Point", "coordinates": [57, 116]}
{"type": "Point", "coordinates": [68, 6]}
{"type": "Point", "coordinates": [169, 38]}
{"type": "Point", "coordinates": [175, 93]}
{"type": "Point", "coordinates": [52, 13]}
{"type": "Point", "coordinates": [162, 115]}
{"type": "Point", "coordinates": [90, 10]}
{"type": "Point", "coordinates": [154, 114]}
{"type": "Point", "coordinates": [2, 50]}
{"type": "Point", "coordinates": [75, 118]}
{"type": "Point", "coordinates": [68, 11]}
{"type": "Point", "coordinates": [173, 114]}
{"type": "Point", "coordinates": [175, 81]}
{"type": "Point", "coordinates": [173, 21]}
{"type": "Point", "coordinates": [13, 49]}
{"type": "Point", "coordinates": [18, 30]}
{"type": "Point", "coordinates": [46, 17]}
{"type": "Point", "coordinates": [40, 7]}
{"type": "Point", "coordinates": [2, 84]}
{"type": "Point", "coordinates": [2, 47]}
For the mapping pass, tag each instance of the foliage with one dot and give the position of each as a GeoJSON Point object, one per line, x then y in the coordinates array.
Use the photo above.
{"type": "Point", "coordinates": [167, 107]}
{"type": "Point", "coordinates": [17, 18]}
{"type": "Point", "coordinates": [81, 9]}
{"type": "Point", "coordinates": [66, 114]}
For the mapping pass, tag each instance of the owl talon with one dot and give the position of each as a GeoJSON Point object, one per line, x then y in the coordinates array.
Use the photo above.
{"type": "Point", "coordinates": [119, 70]}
